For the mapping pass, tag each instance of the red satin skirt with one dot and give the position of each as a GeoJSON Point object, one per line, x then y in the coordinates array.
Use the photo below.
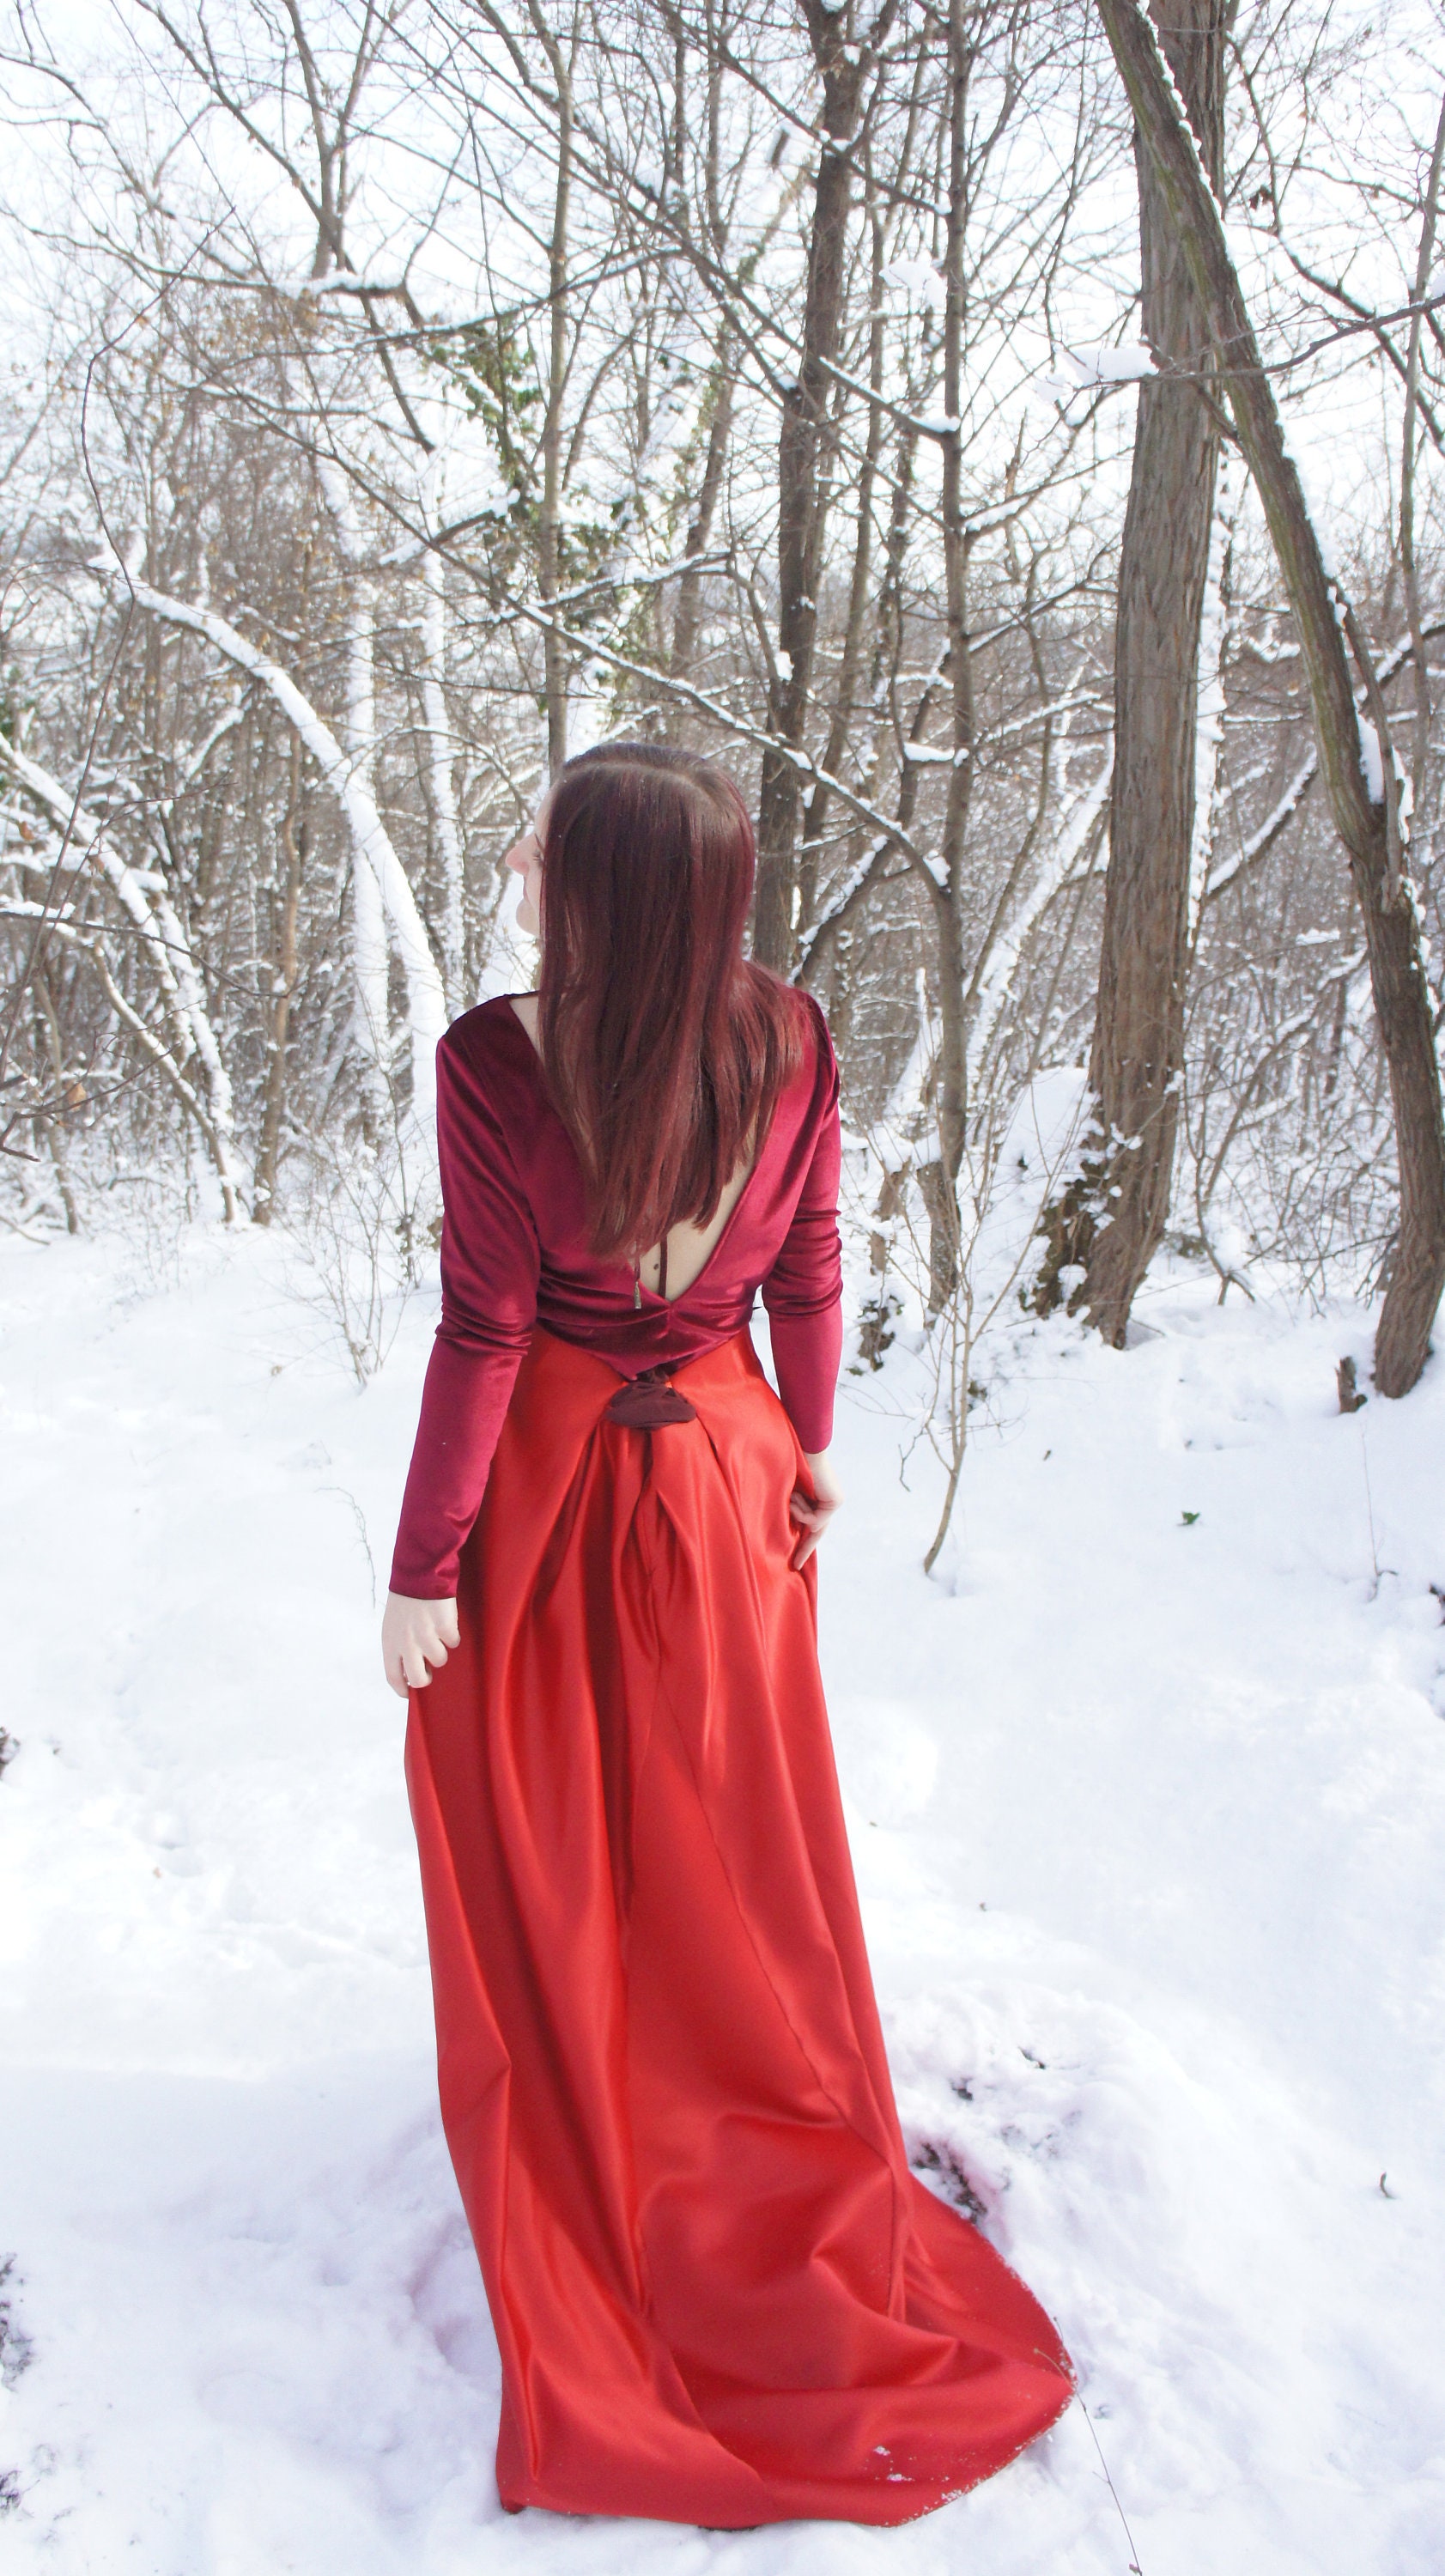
{"type": "Point", "coordinates": [719, 2293]}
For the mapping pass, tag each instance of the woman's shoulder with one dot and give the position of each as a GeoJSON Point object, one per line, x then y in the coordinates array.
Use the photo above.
{"type": "Point", "coordinates": [489, 1032]}
{"type": "Point", "coordinates": [807, 1100]}
{"type": "Point", "coordinates": [817, 1074]}
{"type": "Point", "coordinates": [796, 1011]}
{"type": "Point", "coordinates": [820, 1034]}
{"type": "Point", "coordinates": [487, 1064]}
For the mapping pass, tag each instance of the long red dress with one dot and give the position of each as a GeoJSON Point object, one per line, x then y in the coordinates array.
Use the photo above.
{"type": "Point", "coordinates": [719, 2293]}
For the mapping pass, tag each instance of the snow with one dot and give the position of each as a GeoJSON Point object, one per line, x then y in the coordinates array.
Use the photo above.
{"type": "Point", "coordinates": [1209, 682]}
{"type": "Point", "coordinates": [1125, 365]}
{"type": "Point", "coordinates": [1315, 503]}
{"type": "Point", "coordinates": [1077, 813]}
{"type": "Point", "coordinates": [918, 281]}
{"type": "Point", "coordinates": [1149, 1818]}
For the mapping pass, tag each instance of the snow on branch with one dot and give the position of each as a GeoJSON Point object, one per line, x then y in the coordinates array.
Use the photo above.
{"type": "Point", "coordinates": [88, 837]}
{"type": "Point", "coordinates": [170, 953]}
{"type": "Point", "coordinates": [1269, 830]}
{"type": "Point", "coordinates": [1128, 364]}
{"type": "Point", "coordinates": [1209, 686]}
{"type": "Point", "coordinates": [1266, 833]}
{"type": "Point", "coordinates": [371, 842]}
{"type": "Point", "coordinates": [162, 1056]}
{"type": "Point", "coordinates": [1079, 825]}
{"type": "Point", "coordinates": [856, 883]}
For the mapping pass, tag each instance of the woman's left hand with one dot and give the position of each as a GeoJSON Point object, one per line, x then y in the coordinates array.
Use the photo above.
{"type": "Point", "coordinates": [813, 1511]}
{"type": "Point", "coordinates": [416, 1636]}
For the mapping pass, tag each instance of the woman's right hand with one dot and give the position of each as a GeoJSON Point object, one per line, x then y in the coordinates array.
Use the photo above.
{"type": "Point", "coordinates": [415, 1634]}
{"type": "Point", "coordinates": [812, 1511]}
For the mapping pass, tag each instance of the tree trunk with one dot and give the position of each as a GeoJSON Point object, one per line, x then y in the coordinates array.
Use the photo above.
{"type": "Point", "coordinates": [441, 794]}
{"type": "Point", "coordinates": [1408, 568]}
{"type": "Point", "coordinates": [938, 1179]}
{"type": "Point", "coordinates": [689, 588]}
{"type": "Point", "coordinates": [802, 449]}
{"type": "Point", "coordinates": [958, 543]}
{"type": "Point", "coordinates": [549, 524]}
{"type": "Point", "coordinates": [1368, 828]}
{"type": "Point", "coordinates": [370, 963]}
{"type": "Point", "coordinates": [52, 1126]}
{"type": "Point", "coordinates": [1114, 1216]}
{"type": "Point", "coordinates": [284, 967]}
{"type": "Point", "coordinates": [850, 663]}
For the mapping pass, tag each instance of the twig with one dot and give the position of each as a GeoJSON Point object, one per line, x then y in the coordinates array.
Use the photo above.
{"type": "Point", "coordinates": [1134, 2566]}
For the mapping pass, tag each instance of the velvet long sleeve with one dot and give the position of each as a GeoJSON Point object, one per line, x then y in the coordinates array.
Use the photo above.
{"type": "Point", "coordinates": [490, 1261]}
{"type": "Point", "coordinates": [803, 1290]}
{"type": "Point", "coordinates": [515, 1254]}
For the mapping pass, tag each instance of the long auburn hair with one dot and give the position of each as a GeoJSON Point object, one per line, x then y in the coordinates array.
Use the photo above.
{"type": "Point", "coordinates": [664, 1047]}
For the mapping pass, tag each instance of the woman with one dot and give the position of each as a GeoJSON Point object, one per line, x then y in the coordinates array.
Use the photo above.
{"type": "Point", "coordinates": [720, 2295]}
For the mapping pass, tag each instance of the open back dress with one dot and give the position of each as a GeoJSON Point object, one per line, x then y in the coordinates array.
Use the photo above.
{"type": "Point", "coordinates": [719, 2293]}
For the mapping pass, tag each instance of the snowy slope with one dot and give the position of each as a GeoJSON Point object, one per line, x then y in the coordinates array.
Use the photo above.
{"type": "Point", "coordinates": [1150, 1826]}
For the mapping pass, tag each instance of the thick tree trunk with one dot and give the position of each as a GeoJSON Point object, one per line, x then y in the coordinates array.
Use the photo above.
{"type": "Point", "coordinates": [939, 1182]}
{"type": "Point", "coordinates": [1368, 828]}
{"type": "Point", "coordinates": [1114, 1218]}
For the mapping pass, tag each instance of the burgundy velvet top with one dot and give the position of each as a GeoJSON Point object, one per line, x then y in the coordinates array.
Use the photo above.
{"type": "Point", "coordinates": [515, 1253]}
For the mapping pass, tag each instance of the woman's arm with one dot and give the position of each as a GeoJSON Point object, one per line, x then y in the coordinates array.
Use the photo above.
{"type": "Point", "coordinates": [490, 1262]}
{"type": "Point", "coordinates": [803, 1294]}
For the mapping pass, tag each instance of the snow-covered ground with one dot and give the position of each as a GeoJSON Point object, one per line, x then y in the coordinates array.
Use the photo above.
{"type": "Point", "coordinates": [1149, 1817]}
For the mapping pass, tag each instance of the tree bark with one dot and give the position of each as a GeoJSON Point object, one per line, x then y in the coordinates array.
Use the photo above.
{"type": "Point", "coordinates": [441, 794]}
{"type": "Point", "coordinates": [859, 591]}
{"type": "Point", "coordinates": [699, 533]}
{"type": "Point", "coordinates": [802, 446]}
{"type": "Point", "coordinates": [1368, 829]}
{"type": "Point", "coordinates": [1408, 568]}
{"type": "Point", "coordinates": [370, 964]}
{"type": "Point", "coordinates": [951, 1073]}
{"type": "Point", "coordinates": [52, 1125]}
{"type": "Point", "coordinates": [1114, 1216]}
{"type": "Point", "coordinates": [549, 518]}
{"type": "Point", "coordinates": [284, 969]}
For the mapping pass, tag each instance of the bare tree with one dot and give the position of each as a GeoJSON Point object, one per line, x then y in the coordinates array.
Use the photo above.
{"type": "Point", "coordinates": [1112, 1219]}
{"type": "Point", "coordinates": [845, 57]}
{"type": "Point", "coordinates": [1364, 803]}
{"type": "Point", "coordinates": [675, 367]}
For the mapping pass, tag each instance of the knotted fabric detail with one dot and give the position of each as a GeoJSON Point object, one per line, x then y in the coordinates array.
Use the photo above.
{"type": "Point", "coordinates": [645, 1403]}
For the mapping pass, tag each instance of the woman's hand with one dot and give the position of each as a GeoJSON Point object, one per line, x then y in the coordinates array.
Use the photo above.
{"type": "Point", "coordinates": [813, 1511]}
{"type": "Point", "coordinates": [415, 1634]}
